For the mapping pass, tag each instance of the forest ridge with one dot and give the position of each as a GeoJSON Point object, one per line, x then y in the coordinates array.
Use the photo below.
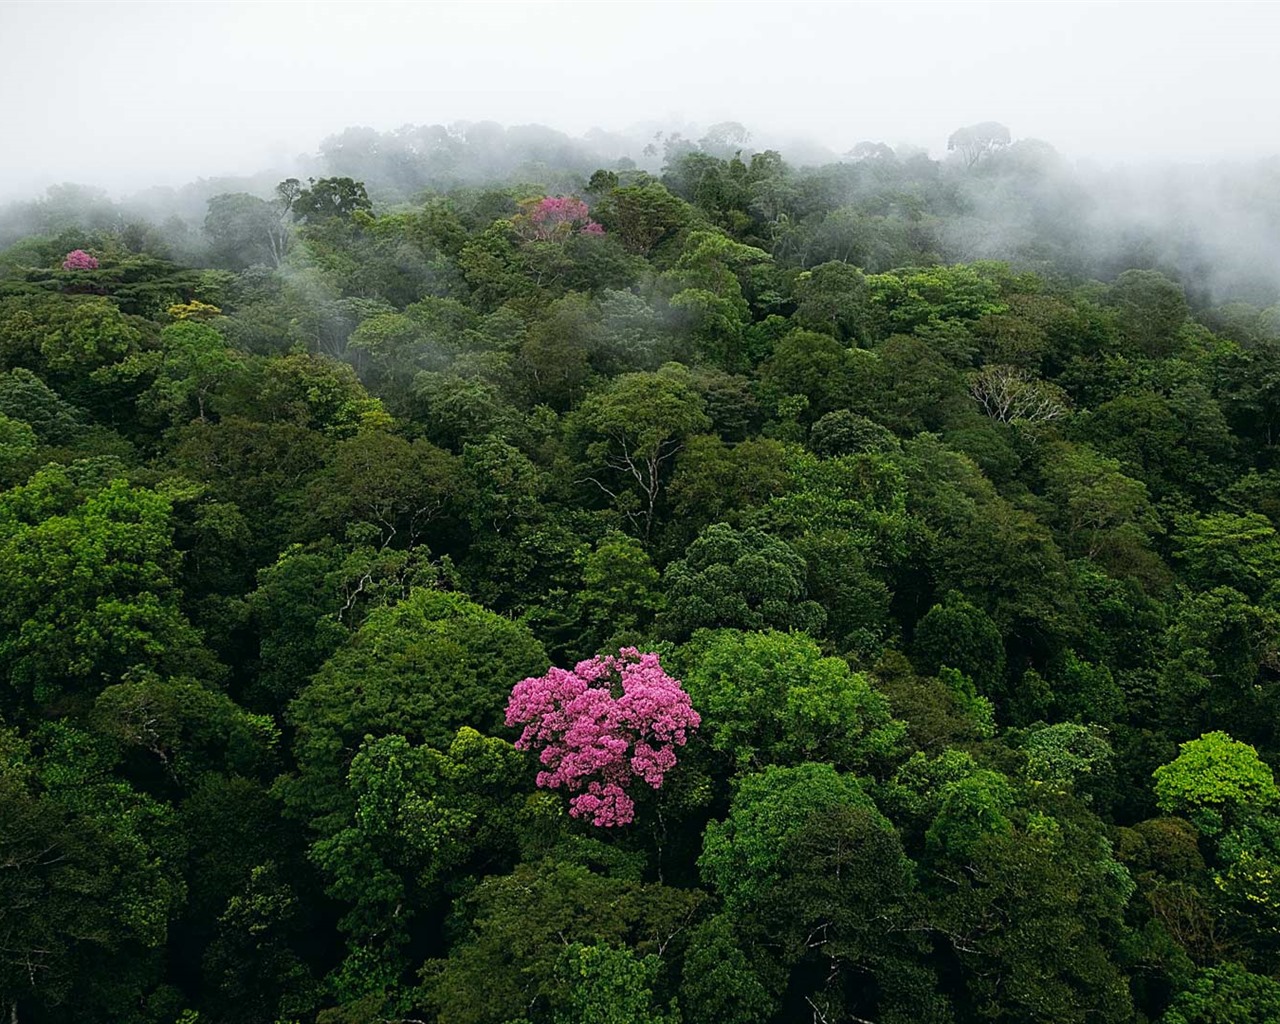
{"type": "Point", "coordinates": [481, 583]}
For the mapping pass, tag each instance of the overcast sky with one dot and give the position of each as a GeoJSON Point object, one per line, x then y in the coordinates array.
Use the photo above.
{"type": "Point", "coordinates": [129, 94]}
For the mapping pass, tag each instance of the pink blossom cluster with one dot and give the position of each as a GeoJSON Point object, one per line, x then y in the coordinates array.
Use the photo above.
{"type": "Point", "coordinates": [78, 259]}
{"type": "Point", "coordinates": [610, 721]}
{"type": "Point", "coordinates": [556, 216]}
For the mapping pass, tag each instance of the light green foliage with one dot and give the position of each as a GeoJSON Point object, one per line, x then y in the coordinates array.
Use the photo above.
{"type": "Point", "coordinates": [88, 576]}
{"type": "Point", "coordinates": [86, 335]}
{"type": "Point", "coordinates": [980, 710]}
{"type": "Point", "coordinates": [707, 282]}
{"type": "Point", "coordinates": [191, 365]}
{"type": "Point", "coordinates": [1215, 781]}
{"type": "Point", "coordinates": [859, 495]}
{"type": "Point", "coordinates": [914, 793]}
{"type": "Point", "coordinates": [609, 985]}
{"type": "Point", "coordinates": [971, 807]}
{"type": "Point", "coordinates": [318, 393]}
{"type": "Point", "coordinates": [644, 215]}
{"type": "Point", "coordinates": [772, 698]}
{"type": "Point", "coordinates": [1066, 756]}
{"type": "Point", "coordinates": [932, 297]}
{"type": "Point", "coordinates": [1227, 994]}
{"type": "Point", "coordinates": [1097, 501]}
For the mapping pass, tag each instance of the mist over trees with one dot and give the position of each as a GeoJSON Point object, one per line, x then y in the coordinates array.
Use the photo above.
{"type": "Point", "coordinates": [1210, 227]}
{"type": "Point", "coordinates": [483, 576]}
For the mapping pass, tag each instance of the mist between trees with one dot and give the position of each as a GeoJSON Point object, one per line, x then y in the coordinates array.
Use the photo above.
{"type": "Point", "coordinates": [480, 576]}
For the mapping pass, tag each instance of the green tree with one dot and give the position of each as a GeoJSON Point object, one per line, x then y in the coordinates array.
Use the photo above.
{"type": "Point", "coordinates": [772, 698]}
{"type": "Point", "coordinates": [609, 985]}
{"type": "Point", "coordinates": [507, 961]}
{"type": "Point", "coordinates": [620, 592]}
{"type": "Point", "coordinates": [420, 669]}
{"type": "Point", "coordinates": [1223, 549]}
{"type": "Point", "coordinates": [88, 567]}
{"type": "Point", "coordinates": [1095, 500]}
{"type": "Point", "coordinates": [806, 858]}
{"type": "Point", "coordinates": [832, 298]}
{"type": "Point", "coordinates": [631, 430]}
{"type": "Point", "coordinates": [740, 580]}
{"type": "Point", "coordinates": [329, 197]}
{"type": "Point", "coordinates": [1215, 781]}
{"type": "Point", "coordinates": [397, 487]}
{"type": "Point", "coordinates": [962, 636]}
{"type": "Point", "coordinates": [418, 816]}
{"type": "Point", "coordinates": [1226, 994]}
{"type": "Point", "coordinates": [720, 985]}
{"type": "Point", "coordinates": [191, 365]}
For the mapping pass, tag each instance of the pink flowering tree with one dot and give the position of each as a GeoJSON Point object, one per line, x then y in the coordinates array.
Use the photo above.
{"type": "Point", "coordinates": [613, 720]}
{"type": "Point", "coordinates": [553, 218]}
{"type": "Point", "coordinates": [78, 259]}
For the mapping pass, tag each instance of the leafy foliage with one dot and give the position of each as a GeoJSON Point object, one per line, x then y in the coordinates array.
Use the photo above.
{"type": "Point", "coordinates": [960, 534]}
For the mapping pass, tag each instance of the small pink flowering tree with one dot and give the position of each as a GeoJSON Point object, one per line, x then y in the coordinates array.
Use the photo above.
{"type": "Point", "coordinates": [78, 259]}
{"type": "Point", "coordinates": [556, 217]}
{"type": "Point", "coordinates": [612, 720]}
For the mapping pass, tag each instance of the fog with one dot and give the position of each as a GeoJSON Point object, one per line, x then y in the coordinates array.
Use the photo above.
{"type": "Point", "coordinates": [126, 95]}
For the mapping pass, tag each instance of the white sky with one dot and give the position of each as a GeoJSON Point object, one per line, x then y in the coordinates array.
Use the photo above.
{"type": "Point", "coordinates": [130, 94]}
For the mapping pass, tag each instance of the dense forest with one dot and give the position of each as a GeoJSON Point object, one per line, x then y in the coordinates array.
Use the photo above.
{"type": "Point", "coordinates": [493, 580]}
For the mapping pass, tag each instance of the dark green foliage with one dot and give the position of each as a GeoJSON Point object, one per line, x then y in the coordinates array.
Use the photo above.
{"type": "Point", "coordinates": [744, 580]}
{"type": "Point", "coordinates": [421, 669]}
{"type": "Point", "coordinates": [971, 573]}
{"type": "Point", "coordinates": [963, 637]}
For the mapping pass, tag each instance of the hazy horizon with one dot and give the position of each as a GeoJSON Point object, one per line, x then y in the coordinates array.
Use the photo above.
{"type": "Point", "coordinates": [129, 95]}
